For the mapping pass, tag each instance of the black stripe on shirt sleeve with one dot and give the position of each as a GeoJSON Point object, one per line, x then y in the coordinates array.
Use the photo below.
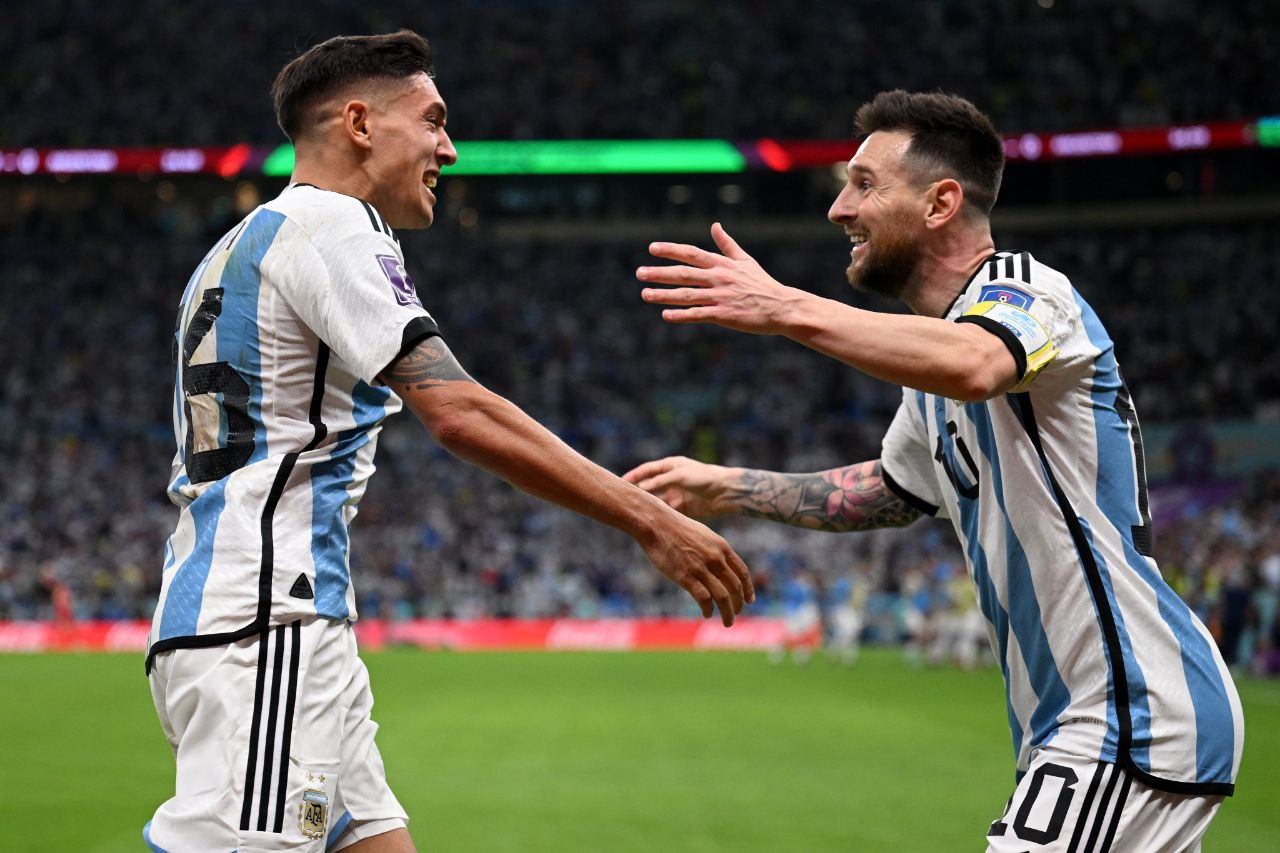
{"type": "Point", "coordinates": [416, 331]}
{"type": "Point", "coordinates": [1010, 339]}
{"type": "Point", "coordinates": [906, 496]}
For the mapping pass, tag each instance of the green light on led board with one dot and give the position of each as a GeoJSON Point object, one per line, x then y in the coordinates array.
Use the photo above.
{"type": "Point", "coordinates": [572, 157]}
{"type": "Point", "coordinates": [279, 163]}
{"type": "Point", "coordinates": [597, 157]}
{"type": "Point", "coordinates": [1269, 132]}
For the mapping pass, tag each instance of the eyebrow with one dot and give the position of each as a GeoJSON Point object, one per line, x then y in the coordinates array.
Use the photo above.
{"type": "Point", "coordinates": [859, 169]}
{"type": "Point", "coordinates": [439, 109]}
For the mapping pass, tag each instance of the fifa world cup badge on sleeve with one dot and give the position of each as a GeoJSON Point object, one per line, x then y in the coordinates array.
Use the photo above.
{"type": "Point", "coordinates": [406, 293]}
{"type": "Point", "coordinates": [313, 813]}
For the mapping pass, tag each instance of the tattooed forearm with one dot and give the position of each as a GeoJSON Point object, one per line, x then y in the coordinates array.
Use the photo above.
{"type": "Point", "coordinates": [427, 365]}
{"type": "Point", "coordinates": [842, 499]}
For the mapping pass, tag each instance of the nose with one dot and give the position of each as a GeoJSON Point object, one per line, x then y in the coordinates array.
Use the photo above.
{"type": "Point", "coordinates": [446, 154]}
{"type": "Point", "coordinates": [844, 209]}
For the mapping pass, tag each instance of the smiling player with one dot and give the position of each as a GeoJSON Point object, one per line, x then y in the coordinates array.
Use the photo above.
{"type": "Point", "coordinates": [1016, 425]}
{"type": "Point", "coordinates": [298, 334]}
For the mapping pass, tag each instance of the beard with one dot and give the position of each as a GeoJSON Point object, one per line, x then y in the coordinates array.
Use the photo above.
{"type": "Point", "coordinates": [891, 261]}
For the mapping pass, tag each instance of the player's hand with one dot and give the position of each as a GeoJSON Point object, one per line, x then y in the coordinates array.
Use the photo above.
{"type": "Point", "coordinates": [694, 488]}
{"type": "Point", "coordinates": [702, 563]}
{"type": "Point", "coordinates": [728, 289]}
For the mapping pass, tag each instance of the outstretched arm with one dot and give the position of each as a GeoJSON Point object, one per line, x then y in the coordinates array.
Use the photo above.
{"type": "Point", "coordinates": [961, 361]}
{"type": "Point", "coordinates": [842, 499]}
{"type": "Point", "coordinates": [487, 430]}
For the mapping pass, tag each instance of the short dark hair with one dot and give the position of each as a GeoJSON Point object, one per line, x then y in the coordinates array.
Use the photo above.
{"type": "Point", "coordinates": [950, 137]}
{"type": "Point", "coordinates": [341, 61]}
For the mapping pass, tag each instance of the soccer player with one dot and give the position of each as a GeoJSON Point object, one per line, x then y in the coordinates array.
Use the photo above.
{"type": "Point", "coordinates": [298, 334]}
{"type": "Point", "coordinates": [1016, 425]}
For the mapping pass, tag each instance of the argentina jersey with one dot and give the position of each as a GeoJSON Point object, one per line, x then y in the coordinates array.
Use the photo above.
{"type": "Point", "coordinates": [1046, 488]}
{"type": "Point", "coordinates": [282, 331]}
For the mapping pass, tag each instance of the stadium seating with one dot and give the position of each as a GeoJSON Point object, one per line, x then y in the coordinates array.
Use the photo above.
{"type": "Point", "coordinates": [84, 418]}
{"type": "Point", "coordinates": [539, 69]}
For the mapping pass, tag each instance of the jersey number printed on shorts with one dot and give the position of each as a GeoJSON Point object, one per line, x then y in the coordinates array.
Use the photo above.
{"type": "Point", "coordinates": [217, 398]}
{"type": "Point", "coordinates": [946, 454]}
{"type": "Point", "coordinates": [1053, 828]}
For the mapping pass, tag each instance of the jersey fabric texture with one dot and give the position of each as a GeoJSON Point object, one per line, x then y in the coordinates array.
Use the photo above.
{"type": "Point", "coordinates": [281, 334]}
{"type": "Point", "coordinates": [1046, 488]}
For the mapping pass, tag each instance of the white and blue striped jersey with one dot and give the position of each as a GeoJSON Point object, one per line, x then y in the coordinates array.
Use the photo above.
{"type": "Point", "coordinates": [281, 334]}
{"type": "Point", "coordinates": [1046, 488]}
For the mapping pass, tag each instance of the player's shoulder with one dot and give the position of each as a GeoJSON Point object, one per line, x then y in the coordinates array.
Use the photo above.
{"type": "Point", "coordinates": [329, 218]}
{"type": "Point", "coordinates": [1012, 279]}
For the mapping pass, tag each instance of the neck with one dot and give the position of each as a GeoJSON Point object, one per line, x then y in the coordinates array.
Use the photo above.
{"type": "Point", "coordinates": [944, 270]}
{"type": "Point", "coordinates": [326, 173]}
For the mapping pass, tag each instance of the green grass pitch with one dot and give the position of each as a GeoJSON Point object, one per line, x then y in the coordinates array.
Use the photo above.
{"type": "Point", "coordinates": [593, 752]}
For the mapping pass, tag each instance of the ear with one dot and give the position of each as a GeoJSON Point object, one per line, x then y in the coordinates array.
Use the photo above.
{"type": "Point", "coordinates": [355, 123]}
{"type": "Point", "coordinates": [945, 201]}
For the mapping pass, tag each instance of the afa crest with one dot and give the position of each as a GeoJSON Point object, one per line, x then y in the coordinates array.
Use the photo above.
{"type": "Point", "coordinates": [313, 813]}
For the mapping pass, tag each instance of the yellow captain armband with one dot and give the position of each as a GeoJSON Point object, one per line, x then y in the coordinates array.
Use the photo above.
{"type": "Point", "coordinates": [1025, 336]}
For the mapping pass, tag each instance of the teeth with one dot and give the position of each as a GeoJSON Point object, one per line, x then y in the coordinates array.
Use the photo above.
{"type": "Point", "coordinates": [431, 183]}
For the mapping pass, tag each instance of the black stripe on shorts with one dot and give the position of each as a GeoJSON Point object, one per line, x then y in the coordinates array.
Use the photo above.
{"type": "Point", "coordinates": [263, 762]}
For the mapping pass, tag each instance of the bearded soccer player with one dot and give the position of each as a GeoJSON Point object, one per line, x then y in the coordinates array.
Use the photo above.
{"type": "Point", "coordinates": [298, 334]}
{"type": "Point", "coordinates": [1016, 425]}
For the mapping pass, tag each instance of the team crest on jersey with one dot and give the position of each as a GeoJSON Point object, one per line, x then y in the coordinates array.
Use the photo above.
{"type": "Point", "coordinates": [313, 814]}
{"type": "Point", "coordinates": [406, 293]}
{"type": "Point", "coordinates": [1007, 295]}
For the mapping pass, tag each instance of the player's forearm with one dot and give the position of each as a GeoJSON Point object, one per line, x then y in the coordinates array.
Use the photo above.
{"type": "Point", "coordinates": [493, 433]}
{"type": "Point", "coordinates": [952, 360]}
{"type": "Point", "coordinates": [840, 500]}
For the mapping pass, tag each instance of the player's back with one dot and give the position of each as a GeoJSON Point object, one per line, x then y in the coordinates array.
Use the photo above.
{"type": "Point", "coordinates": [282, 331]}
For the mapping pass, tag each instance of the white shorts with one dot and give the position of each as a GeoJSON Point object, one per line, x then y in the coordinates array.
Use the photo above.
{"type": "Point", "coordinates": [274, 745]}
{"type": "Point", "coordinates": [1074, 804]}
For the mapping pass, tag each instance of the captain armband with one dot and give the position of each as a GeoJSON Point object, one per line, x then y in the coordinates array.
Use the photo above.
{"type": "Point", "coordinates": [1025, 336]}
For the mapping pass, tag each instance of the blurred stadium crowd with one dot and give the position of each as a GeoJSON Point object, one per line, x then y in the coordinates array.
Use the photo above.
{"type": "Point", "coordinates": [86, 389]}
{"type": "Point", "coordinates": [90, 296]}
{"type": "Point", "coordinates": [542, 69]}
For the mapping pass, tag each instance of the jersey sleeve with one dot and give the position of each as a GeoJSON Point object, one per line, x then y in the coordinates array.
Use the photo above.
{"type": "Point", "coordinates": [905, 461]}
{"type": "Point", "coordinates": [356, 295]}
{"type": "Point", "coordinates": [1038, 321]}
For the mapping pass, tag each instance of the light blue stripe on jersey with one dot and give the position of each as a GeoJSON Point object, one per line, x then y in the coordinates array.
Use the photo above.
{"type": "Point", "coordinates": [237, 325]}
{"type": "Point", "coordinates": [237, 343]}
{"type": "Point", "coordinates": [988, 598]}
{"type": "Point", "coordinates": [186, 590]}
{"type": "Point", "coordinates": [330, 481]}
{"type": "Point", "coordinates": [1116, 490]}
{"type": "Point", "coordinates": [1024, 613]}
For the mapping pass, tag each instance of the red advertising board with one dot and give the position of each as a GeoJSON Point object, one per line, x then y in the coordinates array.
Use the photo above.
{"type": "Point", "coordinates": [472, 635]}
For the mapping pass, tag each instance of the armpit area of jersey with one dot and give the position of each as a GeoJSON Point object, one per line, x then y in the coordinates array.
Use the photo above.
{"type": "Point", "coordinates": [907, 497]}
